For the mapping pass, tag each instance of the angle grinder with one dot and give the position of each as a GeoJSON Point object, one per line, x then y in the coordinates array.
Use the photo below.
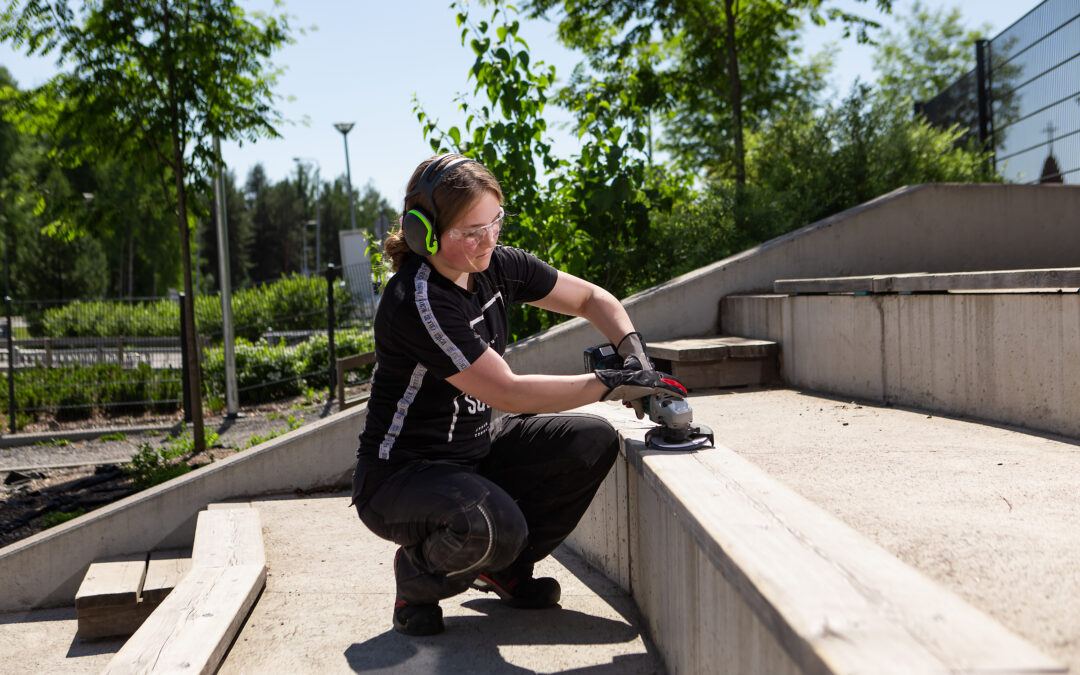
{"type": "Point", "coordinates": [675, 428]}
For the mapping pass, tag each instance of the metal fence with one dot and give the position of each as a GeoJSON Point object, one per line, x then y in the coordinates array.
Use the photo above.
{"type": "Point", "coordinates": [90, 358]}
{"type": "Point", "coordinates": [1022, 100]}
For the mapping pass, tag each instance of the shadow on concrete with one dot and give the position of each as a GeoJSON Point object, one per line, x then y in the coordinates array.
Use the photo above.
{"type": "Point", "coordinates": [472, 643]}
{"type": "Point", "coordinates": [79, 648]}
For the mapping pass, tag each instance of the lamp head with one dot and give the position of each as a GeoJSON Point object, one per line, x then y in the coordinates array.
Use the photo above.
{"type": "Point", "coordinates": [344, 127]}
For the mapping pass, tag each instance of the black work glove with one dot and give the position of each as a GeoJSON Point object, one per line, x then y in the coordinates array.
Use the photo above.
{"type": "Point", "coordinates": [631, 385]}
{"type": "Point", "coordinates": [632, 349]}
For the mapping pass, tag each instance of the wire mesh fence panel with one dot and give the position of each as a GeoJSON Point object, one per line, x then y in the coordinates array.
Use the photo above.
{"type": "Point", "coordinates": [282, 341]}
{"type": "Point", "coordinates": [79, 359]}
{"type": "Point", "coordinates": [1032, 85]}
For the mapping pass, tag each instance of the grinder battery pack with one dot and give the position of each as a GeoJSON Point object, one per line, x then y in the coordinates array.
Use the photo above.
{"type": "Point", "coordinates": [675, 428]}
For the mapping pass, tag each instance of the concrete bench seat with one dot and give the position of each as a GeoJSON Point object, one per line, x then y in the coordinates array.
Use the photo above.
{"type": "Point", "coordinates": [192, 628]}
{"type": "Point", "coordinates": [118, 593]}
{"type": "Point", "coordinates": [735, 572]}
{"type": "Point", "coordinates": [719, 361]}
{"type": "Point", "coordinates": [1058, 279]}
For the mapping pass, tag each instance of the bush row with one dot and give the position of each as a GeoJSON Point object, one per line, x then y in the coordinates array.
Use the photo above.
{"type": "Point", "coordinates": [295, 303]}
{"type": "Point", "coordinates": [78, 392]}
{"type": "Point", "coordinates": [264, 372]}
{"type": "Point", "coordinates": [267, 371]}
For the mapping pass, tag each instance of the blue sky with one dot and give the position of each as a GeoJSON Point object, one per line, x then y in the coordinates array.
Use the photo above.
{"type": "Point", "coordinates": [366, 59]}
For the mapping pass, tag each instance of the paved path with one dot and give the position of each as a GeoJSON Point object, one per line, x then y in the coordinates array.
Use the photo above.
{"type": "Point", "coordinates": [330, 592]}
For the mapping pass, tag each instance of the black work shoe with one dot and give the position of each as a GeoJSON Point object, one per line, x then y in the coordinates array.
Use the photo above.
{"type": "Point", "coordinates": [522, 593]}
{"type": "Point", "coordinates": [418, 619]}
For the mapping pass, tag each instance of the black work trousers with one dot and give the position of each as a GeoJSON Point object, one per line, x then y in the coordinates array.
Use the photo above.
{"type": "Point", "coordinates": [506, 512]}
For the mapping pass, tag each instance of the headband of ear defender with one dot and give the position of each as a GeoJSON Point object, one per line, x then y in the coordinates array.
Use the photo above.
{"type": "Point", "coordinates": [420, 227]}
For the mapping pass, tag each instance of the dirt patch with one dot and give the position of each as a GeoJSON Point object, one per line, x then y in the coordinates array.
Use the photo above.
{"type": "Point", "coordinates": [42, 484]}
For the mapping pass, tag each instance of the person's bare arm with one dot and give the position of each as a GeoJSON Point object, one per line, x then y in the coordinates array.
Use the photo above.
{"type": "Point", "coordinates": [489, 379]}
{"type": "Point", "coordinates": [577, 297]}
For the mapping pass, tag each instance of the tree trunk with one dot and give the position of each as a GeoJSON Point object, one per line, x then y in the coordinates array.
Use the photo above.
{"type": "Point", "coordinates": [736, 93]}
{"type": "Point", "coordinates": [195, 369]}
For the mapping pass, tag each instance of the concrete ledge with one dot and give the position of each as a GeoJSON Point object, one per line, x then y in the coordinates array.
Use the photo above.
{"type": "Point", "coordinates": [1042, 280]}
{"type": "Point", "coordinates": [734, 572]}
{"type": "Point", "coordinates": [918, 229]}
{"type": "Point", "coordinates": [45, 570]}
{"type": "Point", "coordinates": [1005, 357]}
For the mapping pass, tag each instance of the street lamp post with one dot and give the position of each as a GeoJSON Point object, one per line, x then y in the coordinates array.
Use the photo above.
{"type": "Point", "coordinates": [345, 128]}
{"type": "Point", "coordinates": [318, 212]}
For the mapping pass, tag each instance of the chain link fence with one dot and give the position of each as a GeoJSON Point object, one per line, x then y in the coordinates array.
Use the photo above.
{"type": "Point", "coordinates": [85, 359]}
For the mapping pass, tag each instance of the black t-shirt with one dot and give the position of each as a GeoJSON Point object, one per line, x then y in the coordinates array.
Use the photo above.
{"type": "Point", "coordinates": [427, 328]}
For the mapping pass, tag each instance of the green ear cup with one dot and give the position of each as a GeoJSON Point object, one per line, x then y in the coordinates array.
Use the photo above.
{"type": "Point", "coordinates": [423, 233]}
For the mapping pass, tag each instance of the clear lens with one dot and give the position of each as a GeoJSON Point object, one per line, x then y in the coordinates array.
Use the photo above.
{"type": "Point", "coordinates": [474, 235]}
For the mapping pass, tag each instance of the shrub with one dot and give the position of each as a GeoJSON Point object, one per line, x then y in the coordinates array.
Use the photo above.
{"type": "Point", "coordinates": [151, 466]}
{"type": "Point", "coordinates": [54, 518]}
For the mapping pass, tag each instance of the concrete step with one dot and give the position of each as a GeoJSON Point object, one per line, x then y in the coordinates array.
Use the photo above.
{"type": "Point", "coordinates": [718, 361]}
{"type": "Point", "coordinates": [1059, 279]}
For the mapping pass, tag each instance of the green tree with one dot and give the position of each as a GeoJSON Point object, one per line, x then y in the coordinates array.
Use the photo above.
{"type": "Point", "coordinates": [591, 215]}
{"type": "Point", "coordinates": [930, 51]}
{"type": "Point", "coordinates": [167, 75]}
{"type": "Point", "coordinates": [714, 69]}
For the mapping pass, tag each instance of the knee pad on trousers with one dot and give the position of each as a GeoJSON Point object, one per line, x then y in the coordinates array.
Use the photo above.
{"type": "Point", "coordinates": [486, 536]}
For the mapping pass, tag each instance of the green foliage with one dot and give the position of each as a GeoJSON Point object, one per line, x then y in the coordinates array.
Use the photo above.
{"type": "Point", "coordinates": [54, 518]}
{"type": "Point", "coordinates": [710, 71]}
{"type": "Point", "coordinates": [294, 303]}
{"type": "Point", "coordinates": [266, 372]}
{"type": "Point", "coordinates": [186, 444]}
{"type": "Point", "coordinates": [816, 165]}
{"type": "Point", "coordinates": [117, 436]}
{"type": "Point", "coordinates": [931, 50]}
{"type": "Point", "coordinates": [77, 392]}
{"type": "Point", "coordinates": [591, 218]}
{"type": "Point", "coordinates": [150, 466]}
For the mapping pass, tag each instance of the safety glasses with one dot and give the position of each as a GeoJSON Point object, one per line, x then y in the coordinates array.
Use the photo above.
{"type": "Point", "coordinates": [474, 235]}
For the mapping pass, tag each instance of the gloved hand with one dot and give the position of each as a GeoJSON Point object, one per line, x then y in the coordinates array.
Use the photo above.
{"type": "Point", "coordinates": [632, 349]}
{"type": "Point", "coordinates": [632, 386]}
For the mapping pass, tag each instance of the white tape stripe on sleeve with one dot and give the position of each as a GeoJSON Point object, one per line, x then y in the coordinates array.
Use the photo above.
{"type": "Point", "coordinates": [402, 411]}
{"type": "Point", "coordinates": [431, 323]}
{"type": "Point", "coordinates": [453, 422]}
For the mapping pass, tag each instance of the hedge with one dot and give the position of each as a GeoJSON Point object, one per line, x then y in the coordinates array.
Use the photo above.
{"type": "Point", "coordinates": [294, 303]}
{"type": "Point", "coordinates": [78, 392]}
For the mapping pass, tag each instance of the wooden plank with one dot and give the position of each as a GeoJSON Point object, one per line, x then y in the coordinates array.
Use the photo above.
{"type": "Point", "coordinates": [228, 537]}
{"type": "Point", "coordinates": [343, 366]}
{"type": "Point", "coordinates": [712, 348]}
{"type": "Point", "coordinates": [96, 623]}
{"type": "Point", "coordinates": [191, 630]}
{"type": "Point", "coordinates": [163, 573]}
{"type": "Point", "coordinates": [114, 581]}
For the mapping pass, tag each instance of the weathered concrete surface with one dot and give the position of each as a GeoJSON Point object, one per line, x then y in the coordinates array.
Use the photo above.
{"type": "Point", "coordinates": [1004, 357]}
{"type": "Point", "coordinates": [44, 641]}
{"type": "Point", "coordinates": [327, 604]}
{"type": "Point", "coordinates": [922, 228]}
{"type": "Point", "coordinates": [990, 512]}
{"type": "Point", "coordinates": [45, 570]}
{"type": "Point", "coordinates": [330, 594]}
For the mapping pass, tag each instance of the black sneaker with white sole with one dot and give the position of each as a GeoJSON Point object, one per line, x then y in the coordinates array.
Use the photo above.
{"type": "Point", "coordinates": [520, 592]}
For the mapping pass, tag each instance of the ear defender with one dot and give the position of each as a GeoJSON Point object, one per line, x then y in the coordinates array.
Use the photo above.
{"type": "Point", "coordinates": [420, 233]}
{"type": "Point", "coordinates": [420, 227]}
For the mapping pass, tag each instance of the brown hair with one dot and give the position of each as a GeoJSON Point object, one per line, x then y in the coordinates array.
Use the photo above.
{"type": "Point", "coordinates": [458, 189]}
